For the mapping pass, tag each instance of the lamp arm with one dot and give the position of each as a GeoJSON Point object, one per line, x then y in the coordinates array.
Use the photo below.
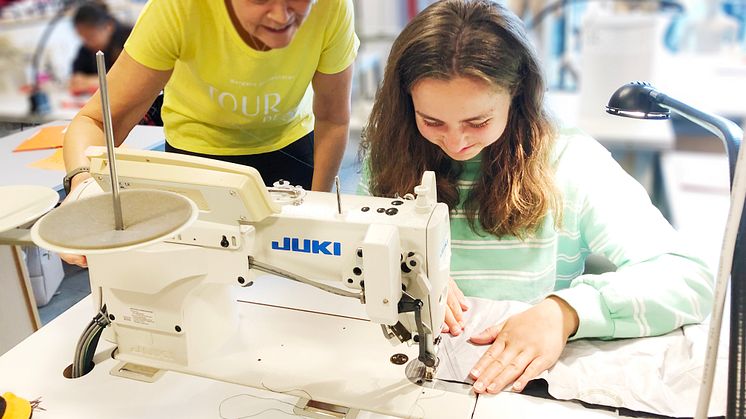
{"type": "Point", "coordinates": [641, 100]}
{"type": "Point", "coordinates": [39, 100]}
{"type": "Point", "coordinates": [728, 132]}
{"type": "Point", "coordinates": [732, 266]}
{"type": "Point", "coordinates": [42, 43]}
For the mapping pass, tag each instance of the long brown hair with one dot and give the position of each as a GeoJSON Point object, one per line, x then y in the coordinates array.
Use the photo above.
{"type": "Point", "coordinates": [477, 39]}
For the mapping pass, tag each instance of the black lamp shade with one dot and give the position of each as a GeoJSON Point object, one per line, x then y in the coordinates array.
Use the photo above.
{"type": "Point", "coordinates": [634, 100]}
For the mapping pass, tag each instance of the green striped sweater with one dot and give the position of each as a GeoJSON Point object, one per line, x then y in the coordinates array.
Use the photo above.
{"type": "Point", "coordinates": [659, 284]}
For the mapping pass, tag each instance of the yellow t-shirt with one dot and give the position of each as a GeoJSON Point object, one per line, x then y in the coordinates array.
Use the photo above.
{"type": "Point", "coordinates": [225, 98]}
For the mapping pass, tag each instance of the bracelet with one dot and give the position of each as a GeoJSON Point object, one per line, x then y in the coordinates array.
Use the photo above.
{"type": "Point", "coordinates": [67, 180]}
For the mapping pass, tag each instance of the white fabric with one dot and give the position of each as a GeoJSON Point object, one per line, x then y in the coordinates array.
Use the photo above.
{"type": "Point", "coordinates": [659, 375]}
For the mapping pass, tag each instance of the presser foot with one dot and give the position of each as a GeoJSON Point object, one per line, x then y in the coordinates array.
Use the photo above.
{"type": "Point", "coordinates": [429, 373]}
{"type": "Point", "coordinates": [419, 373]}
{"type": "Point", "coordinates": [424, 376]}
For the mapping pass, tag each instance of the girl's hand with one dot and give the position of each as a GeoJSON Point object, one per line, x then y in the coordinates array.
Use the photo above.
{"type": "Point", "coordinates": [455, 307]}
{"type": "Point", "coordinates": [524, 346]}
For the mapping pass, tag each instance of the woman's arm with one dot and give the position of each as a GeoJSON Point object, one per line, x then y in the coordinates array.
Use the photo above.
{"type": "Point", "coordinates": [132, 89]}
{"type": "Point", "coordinates": [331, 108]}
{"type": "Point", "coordinates": [660, 284]}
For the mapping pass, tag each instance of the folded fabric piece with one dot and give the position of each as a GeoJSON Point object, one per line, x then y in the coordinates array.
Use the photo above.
{"type": "Point", "coordinates": [47, 137]}
{"type": "Point", "coordinates": [659, 375]}
{"type": "Point", "coordinates": [457, 354]}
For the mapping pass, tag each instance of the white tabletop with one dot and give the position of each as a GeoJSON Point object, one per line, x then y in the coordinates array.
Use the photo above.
{"type": "Point", "coordinates": [15, 168]}
{"type": "Point", "coordinates": [30, 202]}
{"type": "Point", "coordinates": [697, 187]}
{"type": "Point", "coordinates": [34, 369]}
{"type": "Point", "coordinates": [15, 107]}
{"type": "Point", "coordinates": [710, 82]}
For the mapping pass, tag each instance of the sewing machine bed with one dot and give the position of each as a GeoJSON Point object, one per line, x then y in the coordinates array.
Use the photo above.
{"type": "Point", "coordinates": [298, 340]}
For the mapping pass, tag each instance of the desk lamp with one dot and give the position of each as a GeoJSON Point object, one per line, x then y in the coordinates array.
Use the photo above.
{"type": "Point", "coordinates": [641, 100]}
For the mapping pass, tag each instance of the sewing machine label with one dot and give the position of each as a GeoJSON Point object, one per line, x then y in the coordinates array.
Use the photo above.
{"type": "Point", "coordinates": [317, 247]}
{"type": "Point", "coordinates": [140, 316]}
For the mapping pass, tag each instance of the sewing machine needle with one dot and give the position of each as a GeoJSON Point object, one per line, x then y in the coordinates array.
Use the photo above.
{"type": "Point", "coordinates": [109, 134]}
{"type": "Point", "coordinates": [339, 198]}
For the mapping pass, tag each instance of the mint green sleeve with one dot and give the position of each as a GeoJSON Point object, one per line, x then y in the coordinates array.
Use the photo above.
{"type": "Point", "coordinates": [659, 284]}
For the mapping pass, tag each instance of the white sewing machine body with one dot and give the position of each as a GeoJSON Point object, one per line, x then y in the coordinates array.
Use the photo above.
{"type": "Point", "coordinates": [173, 305]}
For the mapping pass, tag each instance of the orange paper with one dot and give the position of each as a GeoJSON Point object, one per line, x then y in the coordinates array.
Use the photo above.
{"type": "Point", "coordinates": [53, 162]}
{"type": "Point", "coordinates": [46, 138]}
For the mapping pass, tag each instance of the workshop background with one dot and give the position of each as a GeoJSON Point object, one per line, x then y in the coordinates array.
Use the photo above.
{"type": "Point", "coordinates": [693, 50]}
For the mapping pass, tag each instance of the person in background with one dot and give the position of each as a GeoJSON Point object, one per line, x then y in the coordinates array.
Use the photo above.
{"type": "Point", "coordinates": [99, 31]}
{"type": "Point", "coordinates": [463, 95]}
{"type": "Point", "coordinates": [264, 83]}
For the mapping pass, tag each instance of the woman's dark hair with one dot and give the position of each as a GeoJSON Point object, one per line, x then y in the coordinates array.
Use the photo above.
{"type": "Point", "coordinates": [482, 40]}
{"type": "Point", "coordinates": [92, 13]}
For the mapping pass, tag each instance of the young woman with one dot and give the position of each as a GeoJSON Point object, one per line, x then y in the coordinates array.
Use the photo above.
{"type": "Point", "coordinates": [462, 95]}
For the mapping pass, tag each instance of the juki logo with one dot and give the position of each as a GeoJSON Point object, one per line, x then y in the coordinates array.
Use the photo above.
{"type": "Point", "coordinates": [317, 247]}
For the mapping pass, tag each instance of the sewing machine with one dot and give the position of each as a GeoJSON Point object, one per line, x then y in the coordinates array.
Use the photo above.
{"type": "Point", "coordinates": [174, 306]}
